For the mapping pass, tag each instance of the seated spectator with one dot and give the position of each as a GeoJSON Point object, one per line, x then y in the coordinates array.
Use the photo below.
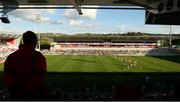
{"type": "Point", "coordinates": [25, 70]}
{"type": "Point", "coordinates": [126, 92]}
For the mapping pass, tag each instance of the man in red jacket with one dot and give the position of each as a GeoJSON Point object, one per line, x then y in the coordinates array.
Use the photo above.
{"type": "Point", "coordinates": [25, 70]}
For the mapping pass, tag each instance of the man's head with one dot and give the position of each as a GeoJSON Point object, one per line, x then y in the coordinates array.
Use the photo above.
{"type": "Point", "coordinates": [30, 38]}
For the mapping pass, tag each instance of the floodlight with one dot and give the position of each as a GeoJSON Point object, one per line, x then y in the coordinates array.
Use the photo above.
{"type": "Point", "coordinates": [5, 20]}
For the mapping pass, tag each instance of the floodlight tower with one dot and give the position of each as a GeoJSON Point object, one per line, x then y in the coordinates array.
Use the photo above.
{"type": "Point", "coordinates": [170, 36]}
{"type": "Point", "coordinates": [38, 18]}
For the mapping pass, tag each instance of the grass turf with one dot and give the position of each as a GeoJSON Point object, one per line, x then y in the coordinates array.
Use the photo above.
{"type": "Point", "coordinates": [59, 63]}
{"type": "Point", "coordinates": [104, 82]}
{"type": "Point", "coordinates": [112, 64]}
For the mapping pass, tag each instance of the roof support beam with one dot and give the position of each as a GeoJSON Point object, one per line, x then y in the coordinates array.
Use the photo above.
{"type": "Point", "coordinates": [77, 5]}
{"type": "Point", "coordinates": [139, 4]}
{"type": "Point", "coordinates": [66, 7]}
{"type": "Point", "coordinates": [9, 3]}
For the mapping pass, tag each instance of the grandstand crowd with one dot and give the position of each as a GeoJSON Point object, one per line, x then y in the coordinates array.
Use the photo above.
{"type": "Point", "coordinates": [5, 50]}
{"type": "Point", "coordinates": [115, 51]}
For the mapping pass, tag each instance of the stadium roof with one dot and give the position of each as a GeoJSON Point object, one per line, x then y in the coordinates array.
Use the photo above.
{"type": "Point", "coordinates": [77, 4]}
{"type": "Point", "coordinates": [82, 2]}
{"type": "Point", "coordinates": [101, 37]}
{"type": "Point", "coordinates": [157, 11]}
{"type": "Point", "coordinates": [108, 38]}
{"type": "Point", "coordinates": [9, 36]}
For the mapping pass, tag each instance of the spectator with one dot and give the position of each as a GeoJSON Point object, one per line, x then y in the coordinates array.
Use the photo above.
{"type": "Point", "coordinates": [58, 94]}
{"type": "Point", "coordinates": [25, 70]}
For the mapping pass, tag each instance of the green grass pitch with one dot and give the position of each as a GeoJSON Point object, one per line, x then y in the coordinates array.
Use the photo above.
{"type": "Point", "coordinates": [86, 63]}
{"type": "Point", "coordinates": [76, 63]}
{"type": "Point", "coordinates": [60, 63]}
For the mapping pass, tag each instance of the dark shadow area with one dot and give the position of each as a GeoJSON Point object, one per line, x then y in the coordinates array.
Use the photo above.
{"type": "Point", "coordinates": [165, 52]}
{"type": "Point", "coordinates": [109, 86]}
{"type": "Point", "coordinates": [175, 59]}
{"type": "Point", "coordinates": [164, 18]}
{"type": "Point", "coordinates": [172, 55]}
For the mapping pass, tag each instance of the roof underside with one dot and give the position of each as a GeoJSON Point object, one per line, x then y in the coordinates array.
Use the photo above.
{"type": "Point", "coordinates": [143, 3]}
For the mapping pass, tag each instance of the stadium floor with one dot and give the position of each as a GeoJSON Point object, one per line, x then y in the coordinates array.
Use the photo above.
{"type": "Point", "coordinates": [60, 63]}
{"type": "Point", "coordinates": [100, 73]}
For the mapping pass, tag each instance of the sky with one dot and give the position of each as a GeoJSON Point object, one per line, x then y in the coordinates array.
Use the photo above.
{"type": "Point", "coordinates": [67, 21]}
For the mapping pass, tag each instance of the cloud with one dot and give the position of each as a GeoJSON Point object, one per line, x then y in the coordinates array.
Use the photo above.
{"type": "Point", "coordinates": [106, 29]}
{"type": "Point", "coordinates": [87, 13]}
{"type": "Point", "coordinates": [31, 15]}
{"type": "Point", "coordinates": [71, 14]}
{"type": "Point", "coordinates": [56, 22]}
{"type": "Point", "coordinates": [90, 13]}
{"type": "Point", "coordinates": [79, 24]}
{"type": "Point", "coordinates": [13, 31]}
{"type": "Point", "coordinates": [51, 11]}
{"type": "Point", "coordinates": [76, 20]}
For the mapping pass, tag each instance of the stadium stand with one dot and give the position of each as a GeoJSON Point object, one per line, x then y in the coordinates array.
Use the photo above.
{"type": "Point", "coordinates": [8, 44]}
{"type": "Point", "coordinates": [108, 41]}
{"type": "Point", "coordinates": [115, 51]}
{"type": "Point", "coordinates": [110, 45]}
{"type": "Point", "coordinates": [88, 89]}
